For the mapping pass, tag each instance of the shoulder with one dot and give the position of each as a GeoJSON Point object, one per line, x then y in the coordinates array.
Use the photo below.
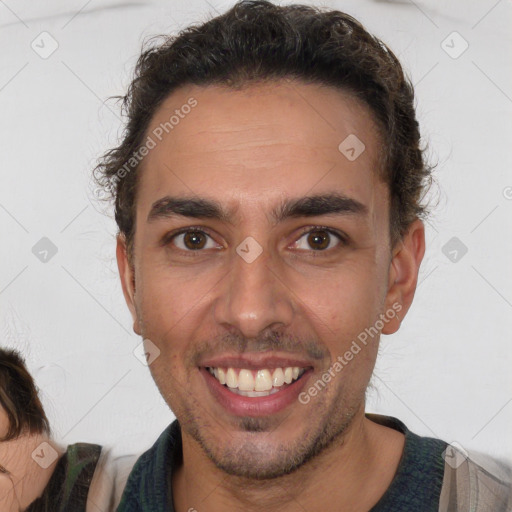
{"type": "Point", "coordinates": [475, 481]}
{"type": "Point", "coordinates": [417, 482]}
{"type": "Point", "coordinates": [455, 479]}
{"type": "Point", "coordinates": [418, 449]}
{"type": "Point", "coordinates": [147, 483]}
{"type": "Point", "coordinates": [109, 480]}
{"type": "Point", "coordinates": [70, 482]}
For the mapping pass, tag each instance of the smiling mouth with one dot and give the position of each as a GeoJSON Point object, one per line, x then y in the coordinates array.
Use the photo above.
{"type": "Point", "coordinates": [256, 383]}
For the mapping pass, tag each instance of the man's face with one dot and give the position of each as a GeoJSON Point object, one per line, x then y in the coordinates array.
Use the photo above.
{"type": "Point", "coordinates": [295, 294]}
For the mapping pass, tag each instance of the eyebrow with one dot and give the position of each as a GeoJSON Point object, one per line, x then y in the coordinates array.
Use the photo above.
{"type": "Point", "coordinates": [308, 206]}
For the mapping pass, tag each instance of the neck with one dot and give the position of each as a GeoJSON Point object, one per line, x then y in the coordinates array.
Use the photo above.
{"type": "Point", "coordinates": [351, 474]}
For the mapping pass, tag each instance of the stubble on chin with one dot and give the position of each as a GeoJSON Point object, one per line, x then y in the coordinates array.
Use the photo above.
{"type": "Point", "coordinates": [258, 460]}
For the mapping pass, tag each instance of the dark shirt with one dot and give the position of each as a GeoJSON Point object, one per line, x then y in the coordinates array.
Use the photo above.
{"type": "Point", "coordinates": [415, 487]}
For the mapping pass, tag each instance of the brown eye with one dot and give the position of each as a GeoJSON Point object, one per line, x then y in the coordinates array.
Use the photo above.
{"type": "Point", "coordinates": [194, 240]}
{"type": "Point", "coordinates": [319, 239]}
{"type": "Point", "coordinates": [190, 240]}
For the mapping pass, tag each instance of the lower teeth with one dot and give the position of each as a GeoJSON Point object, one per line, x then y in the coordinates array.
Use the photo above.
{"type": "Point", "coordinates": [254, 394]}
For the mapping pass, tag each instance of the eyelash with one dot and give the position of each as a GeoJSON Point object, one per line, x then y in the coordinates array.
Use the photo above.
{"type": "Point", "coordinates": [343, 239]}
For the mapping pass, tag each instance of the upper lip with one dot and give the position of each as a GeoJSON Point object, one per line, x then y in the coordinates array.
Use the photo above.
{"type": "Point", "coordinates": [255, 361]}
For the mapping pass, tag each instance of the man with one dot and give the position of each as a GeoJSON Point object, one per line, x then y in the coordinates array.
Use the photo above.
{"type": "Point", "coordinates": [268, 198]}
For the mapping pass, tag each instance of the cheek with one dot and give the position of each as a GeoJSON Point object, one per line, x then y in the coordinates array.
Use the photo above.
{"type": "Point", "coordinates": [164, 304]}
{"type": "Point", "coordinates": [12, 455]}
{"type": "Point", "coordinates": [8, 500]}
{"type": "Point", "coordinates": [4, 425]}
{"type": "Point", "coordinates": [169, 293]}
{"type": "Point", "coordinates": [169, 308]}
{"type": "Point", "coordinates": [345, 297]}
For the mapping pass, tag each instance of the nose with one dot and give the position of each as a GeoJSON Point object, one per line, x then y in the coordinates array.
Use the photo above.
{"type": "Point", "coordinates": [253, 297]}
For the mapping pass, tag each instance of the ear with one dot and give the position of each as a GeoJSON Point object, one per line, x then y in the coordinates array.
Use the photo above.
{"type": "Point", "coordinates": [403, 274]}
{"type": "Point", "coordinates": [127, 275]}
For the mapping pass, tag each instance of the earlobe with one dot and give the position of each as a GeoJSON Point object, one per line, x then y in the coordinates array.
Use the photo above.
{"type": "Point", "coordinates": [127, 276]}
{"type": "Point", "coordinates": [403, 274]}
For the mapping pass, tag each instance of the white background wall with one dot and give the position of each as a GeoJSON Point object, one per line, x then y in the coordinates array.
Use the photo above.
{"type": "Point", "coordinates": [446, 373]}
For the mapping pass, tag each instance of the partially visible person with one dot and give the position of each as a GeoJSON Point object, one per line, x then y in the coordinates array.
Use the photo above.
{"type": "Point", "coordinates": [23, 427]}
{"type": "Point", "coordinates": [36, 473]}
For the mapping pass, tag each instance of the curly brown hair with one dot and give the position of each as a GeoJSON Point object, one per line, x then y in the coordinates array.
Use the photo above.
{"type": "Point", "coordinates": [258, 41]}
{"type": "Point", "coordinates": [19, 398]}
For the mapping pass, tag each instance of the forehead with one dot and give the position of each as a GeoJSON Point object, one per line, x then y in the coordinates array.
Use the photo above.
{"type": "Point", "coordinates": [261, 142]}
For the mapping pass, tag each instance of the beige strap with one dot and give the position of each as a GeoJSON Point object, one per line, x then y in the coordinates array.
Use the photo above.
{"type": "Point", "coordinates": [109, 481]}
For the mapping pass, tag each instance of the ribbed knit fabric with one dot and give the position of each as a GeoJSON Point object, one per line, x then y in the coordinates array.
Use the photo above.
{"type": "Point", "coordinates": [149, 485]}
{"type": "Point", "coordinates": [419, 477]}
{"type": "Point", "coordinates": [415, 488]}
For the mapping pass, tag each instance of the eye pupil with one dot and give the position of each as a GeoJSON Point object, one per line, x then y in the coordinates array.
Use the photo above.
{"type": "Point", "coordinates": [314, 239]}
{"type": "Point", "coordinates": [196, 239]}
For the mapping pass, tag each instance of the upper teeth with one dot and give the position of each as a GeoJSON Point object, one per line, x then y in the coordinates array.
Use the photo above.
{"type": "Point", "coordinates": [256, 380]}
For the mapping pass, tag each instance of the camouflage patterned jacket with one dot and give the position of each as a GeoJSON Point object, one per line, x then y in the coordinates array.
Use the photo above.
{"type": "Point", "coordinates": [86, 479]}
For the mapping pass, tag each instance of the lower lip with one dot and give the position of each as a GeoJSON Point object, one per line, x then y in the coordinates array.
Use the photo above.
{"type": "Point", "coordinates": [254, 406]}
